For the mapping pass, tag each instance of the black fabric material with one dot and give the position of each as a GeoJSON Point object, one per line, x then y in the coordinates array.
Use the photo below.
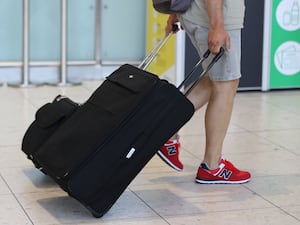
{"type": "Point", "coordinates": [47, 119]}
{"type": "Point", "coordinates": [89, 154]}
{"type": "Point", "coordinates": [166, 111]}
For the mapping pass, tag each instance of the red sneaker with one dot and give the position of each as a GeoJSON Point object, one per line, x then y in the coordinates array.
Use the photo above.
{"type": "Point", "coordinates": [226, 173]}
{"type": "Point", "coordinates": [169, 153]}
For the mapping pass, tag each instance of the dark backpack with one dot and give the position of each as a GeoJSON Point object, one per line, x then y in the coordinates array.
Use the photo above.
{"type": "Point", "coordinates": [171, 6]}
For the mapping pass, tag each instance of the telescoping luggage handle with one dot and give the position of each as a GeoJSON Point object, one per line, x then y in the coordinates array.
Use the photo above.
{"type": "Point", "coordinates": [152, 54]}
{"type": "Point", "coordinates": [205, 70]}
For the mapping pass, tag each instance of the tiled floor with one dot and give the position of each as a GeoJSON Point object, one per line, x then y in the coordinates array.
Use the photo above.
{"type": "Point", "coordinates": [264, 138]}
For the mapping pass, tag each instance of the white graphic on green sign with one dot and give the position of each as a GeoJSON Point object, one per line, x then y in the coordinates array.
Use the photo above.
{"type": "Point", "coordinates": [288, 15]}
{"type": "Point", "coordinates": [285, 44]}
{"type": "Point", "coordinates": [287, 58]}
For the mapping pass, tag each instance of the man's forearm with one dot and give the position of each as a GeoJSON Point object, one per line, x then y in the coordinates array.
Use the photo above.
{"type": "Point", "coordinates": [215, 13]}
{"type": "Point", "coordinates": [217, 35]}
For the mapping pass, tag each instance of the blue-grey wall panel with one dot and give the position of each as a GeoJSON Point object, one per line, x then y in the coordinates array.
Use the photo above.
{"type": "Point", "coordinates": [44, 44]}
{"type": "Point", "coordinates": [81, 29]}
{"type": "Point", "coordinates": [11, 41]}
{"type": "Point", "coordinates": [123, 26]}
{"type": "Point", "coordinates": [122, 38]}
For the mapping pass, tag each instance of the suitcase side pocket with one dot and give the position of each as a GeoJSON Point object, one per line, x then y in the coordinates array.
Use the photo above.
{"type": "Point", "coordinates": [47, 119]}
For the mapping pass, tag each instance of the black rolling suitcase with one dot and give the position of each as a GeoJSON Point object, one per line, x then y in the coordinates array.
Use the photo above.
{"type": "Point", "coordinates": [94, 150]}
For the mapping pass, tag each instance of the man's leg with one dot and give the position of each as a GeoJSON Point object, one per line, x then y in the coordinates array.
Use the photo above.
{"type": "Point", "coordinates": [215, 169]}
{"type": "Point", "coordinates": [169, 152]}
{"type": "Point", "coordinates": [200, 95]}
{"type": "Point", "coordinates": [217, 118]}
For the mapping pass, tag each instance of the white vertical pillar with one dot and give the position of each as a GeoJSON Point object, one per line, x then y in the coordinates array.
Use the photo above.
{"type": "Point", "coordinates": [25, 78]}
{"type": "Point", "coordinates": [267, 45]}
{"type": "Point", "coordinates": [25, 68]}
{"type": "Point", "coordinates": [98, 32]}
{"type": "Point", "coordinates": [63, 58]}
{"type": "Point", "coordinates": [180, 57]}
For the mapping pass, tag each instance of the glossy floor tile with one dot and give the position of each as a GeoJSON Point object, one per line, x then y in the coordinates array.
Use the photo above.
{"type": "Point", "coordinates": [263, 137]}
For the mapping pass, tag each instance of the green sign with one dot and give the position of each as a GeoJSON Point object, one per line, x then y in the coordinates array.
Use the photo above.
{"type": "Point", "coordinates": [285, 44]}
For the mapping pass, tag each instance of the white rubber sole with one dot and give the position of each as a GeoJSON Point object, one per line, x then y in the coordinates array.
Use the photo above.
{"type": "Point", "coordinates": [221, 181]}
{"type": "Point", "coordinates": [166, 160]}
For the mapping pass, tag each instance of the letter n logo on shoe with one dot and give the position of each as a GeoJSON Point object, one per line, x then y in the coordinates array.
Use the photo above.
{"type": "Point", "coordinates": [225, 174]}
{"type": "Point", "coordinates": [171, 150]}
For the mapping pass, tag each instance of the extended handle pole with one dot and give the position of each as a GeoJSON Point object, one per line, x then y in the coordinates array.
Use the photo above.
{"type": "Point", "coordinates": [199, 63]}
{"type": "Point", "coordinates": [214, 60]}
{"type": "Point", "coordinates": [152, 54]}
